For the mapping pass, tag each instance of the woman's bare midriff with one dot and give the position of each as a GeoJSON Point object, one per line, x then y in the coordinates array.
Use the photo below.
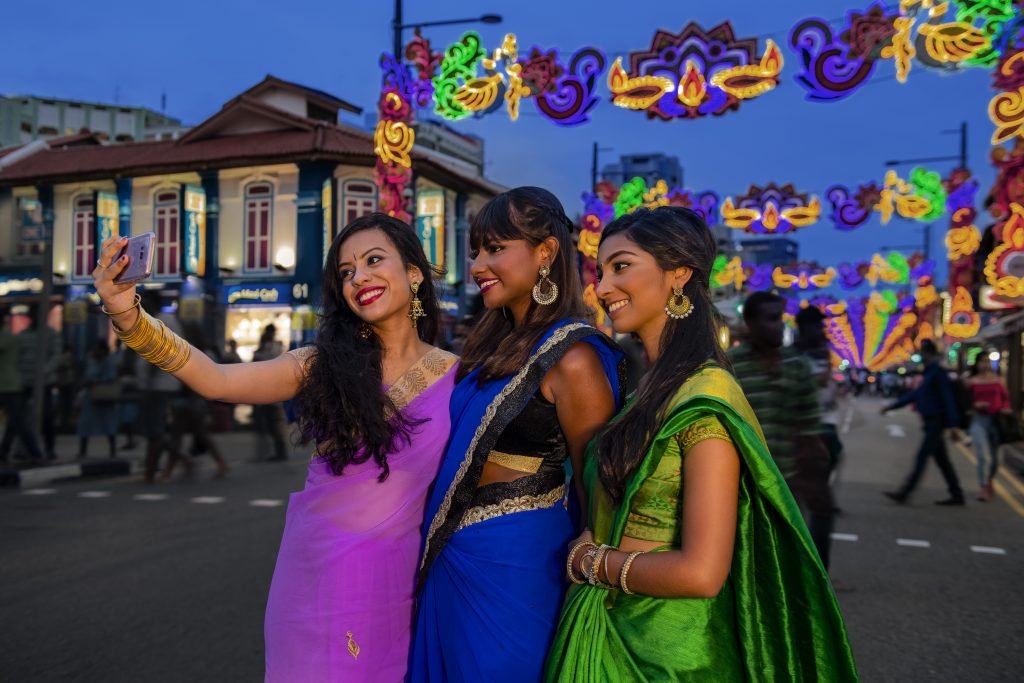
{"type": "Point", "coordinates": [494, 474]}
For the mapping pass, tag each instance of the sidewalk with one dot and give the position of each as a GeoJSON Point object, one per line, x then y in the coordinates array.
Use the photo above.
{"type": "Point", "coordinates": [239, 447]}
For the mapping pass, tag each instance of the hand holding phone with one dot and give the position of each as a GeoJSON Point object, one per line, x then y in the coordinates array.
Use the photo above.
{"type": "Point", "coordinates": [139, 251]}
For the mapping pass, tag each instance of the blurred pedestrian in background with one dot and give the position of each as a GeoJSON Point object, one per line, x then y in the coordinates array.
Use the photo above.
{"type": "Point", "coordinates": [67, 386]}
{"type": "Point", "coordinates": [101, 391]}
{"type": "Point", "coordinates": [813, 343]}
{"type": "Point", "coordinates": [128, 406]}
{"type": "Point", "coordinates": [989, 400]}
{"type": "Point", "coordinates": [269, 420]}
{"type": "Point", "coordinates": [29, 344]}
{"type": "Point", "coordinates": [157, 389]}
{"type": "Point", "coordinates": [781, 387]}
{"type": "Point", "coordinates": [190, 414]}
{"type": "Point", "coordinates": [936, 403]}
{"type": "Point", "coordinates": [12, 398]}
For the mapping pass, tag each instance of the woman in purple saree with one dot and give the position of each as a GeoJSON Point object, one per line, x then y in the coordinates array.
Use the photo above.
{"type": "Point", "coordinates": [373, 393]}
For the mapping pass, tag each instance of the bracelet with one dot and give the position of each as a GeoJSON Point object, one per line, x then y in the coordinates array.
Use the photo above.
{"type": "Point", "coordinates": [607, 576]}
{"type": "Point", "coordinates": [136, 302]}
{"type": "Point", "coordinates": [625, 571]}
{"type": "Point", "coordinates": [568, 563]}
{"type": "Point", "coordinates": [587, 564]}
{"type": "Point", "coordinates": [599, 557]}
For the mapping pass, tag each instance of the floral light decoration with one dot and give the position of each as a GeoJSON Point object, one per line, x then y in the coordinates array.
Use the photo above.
{"type": "Point", "coordinates": [1009, 185]}
{"type": "Point", "coordinates": [805, 276]}
{"type": "Point", "coordinates": [873, 333]}
{"type": "Point", "coordinates": [1004, 267]}
{"type": "Point", "coordinates": [1006, 110]}
{"type": "Point", "coordinates": [963, 238]}
{"type": "Point", "coordinates": [694, 73]}
{"type": "Point", "coordinates": [893, 268]}
{"type": "Point", "coordinates": [770, 210]}
{"type": "Point", "coordinates": [960, 320]}
{"type": "Point", "coordinates": [393, 138]}
{"type": "Point", "coordinates": [923, 198]}
{"type": "Point", "coordinates": [837, 63]}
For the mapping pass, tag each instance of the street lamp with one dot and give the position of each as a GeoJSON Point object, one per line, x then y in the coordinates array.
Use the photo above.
{"type": "Point", "coordinates": [398, 26]}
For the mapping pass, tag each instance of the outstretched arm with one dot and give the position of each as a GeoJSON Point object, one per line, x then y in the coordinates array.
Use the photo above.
{"type": "Point", "coordinates": [264, 382]}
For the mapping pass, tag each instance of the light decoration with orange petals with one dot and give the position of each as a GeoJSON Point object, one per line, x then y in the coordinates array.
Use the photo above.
{"type": "Point", "coordinates": [771, 210]}
{"type": "Point", "coordinates": [1004, 267]}
{"type": "Point", "coordinates": [959, 319]}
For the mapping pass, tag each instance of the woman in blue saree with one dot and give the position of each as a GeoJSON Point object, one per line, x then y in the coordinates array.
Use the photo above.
{"type": "Point", "coordinates": [536, 382]}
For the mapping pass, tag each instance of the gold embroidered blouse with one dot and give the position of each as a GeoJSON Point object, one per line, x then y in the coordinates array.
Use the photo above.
{"type": "Point", "coordinates": [654, 515]}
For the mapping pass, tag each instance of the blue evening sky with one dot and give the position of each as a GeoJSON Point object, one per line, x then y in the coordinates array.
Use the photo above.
{"type": "Point", "coordinates": [203, 53]}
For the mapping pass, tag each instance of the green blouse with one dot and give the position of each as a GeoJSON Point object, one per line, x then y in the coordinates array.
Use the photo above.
{"type": "Point", "coordinates": [654, 512]}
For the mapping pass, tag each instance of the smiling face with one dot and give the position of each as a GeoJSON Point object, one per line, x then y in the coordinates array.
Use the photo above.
{"type": "Point", "coordinates": [375, 280]}
{"type": "Point", "coordinates": [506, 270]}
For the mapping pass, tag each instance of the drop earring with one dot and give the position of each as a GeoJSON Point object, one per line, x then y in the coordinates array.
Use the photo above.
{"type": "Point", "coordinates": [545, 292]}
{"type": "Point", "coordinates": [416, 306]}
{"type": "Point", "coordinates": [679, 305]}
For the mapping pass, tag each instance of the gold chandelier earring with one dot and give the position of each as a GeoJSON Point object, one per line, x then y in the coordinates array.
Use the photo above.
{"type": "Point", "coordinates": [416, 306]}
{"type": "Point", "coordinates": [679, 305]}
{"type": "Point", "coordinates": [545, 292]}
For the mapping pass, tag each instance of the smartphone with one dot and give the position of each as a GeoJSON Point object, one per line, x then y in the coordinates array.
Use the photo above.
{"type": "Point", "coordinates": [140, 259]}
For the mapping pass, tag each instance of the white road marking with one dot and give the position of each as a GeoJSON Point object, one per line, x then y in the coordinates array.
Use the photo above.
{"type": "Point", "coordinates": [266, 503]}
{"type": "Point", "coordinates": [896, 431]}
{"type": "Point", "coordinates": [208, 500]}
{"type": "Point", "coordinates": [39, 492]}
{"type": "Point", "coordinates": [987, 550]}
{"type": "Point", "coordinates": [844, 537]}
{"type": "Point", "coordinates": [94, 494]}
{"type": "Point", "coordinates": [847, 419]}
{"type": "Point", "coordinates": [151, 496]}
{"type": "Point", "coordinates": [912, 543]}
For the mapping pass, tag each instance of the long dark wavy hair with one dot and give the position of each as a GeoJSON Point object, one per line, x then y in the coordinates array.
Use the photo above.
{"type": "Point", "coordinates": [676, 237]}
{"type": "Point", "coordinates": [342, 405]}
{"type": "Point", "coordinates": [533, 214]}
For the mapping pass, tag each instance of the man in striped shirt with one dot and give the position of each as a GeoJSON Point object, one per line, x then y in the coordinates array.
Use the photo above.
{"type": "Point", "coordinates": [781, 388]}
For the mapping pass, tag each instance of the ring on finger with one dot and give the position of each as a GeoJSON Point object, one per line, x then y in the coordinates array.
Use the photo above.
{"type": "Point", "coordinates": [101, 264]}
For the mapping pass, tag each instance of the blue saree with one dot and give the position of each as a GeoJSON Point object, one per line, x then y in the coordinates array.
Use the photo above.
{"type": "Point", "coordinates": [492, 582]}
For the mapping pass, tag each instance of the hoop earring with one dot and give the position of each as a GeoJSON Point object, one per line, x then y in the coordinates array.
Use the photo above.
{"type": "Point", "coordinates": [545, 292]}
{"type": "Point", "coordinates": [679, 305]}
{"type": "Point", "coordinates": [416, 306]}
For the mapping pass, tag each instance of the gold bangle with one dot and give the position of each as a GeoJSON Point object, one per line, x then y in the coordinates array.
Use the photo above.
{"type": "Point", "coordinates": [568, 563]}
{"type": "Point", "coordinates": [624, 572]}
{"type": "Point", "coordinates": [136, 302]}
{"type": "Point", "coordinates": [594, 577]}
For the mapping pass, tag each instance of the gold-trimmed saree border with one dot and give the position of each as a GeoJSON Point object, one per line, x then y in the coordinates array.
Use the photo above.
{"type": "Point", "coordinates": [442, 512]}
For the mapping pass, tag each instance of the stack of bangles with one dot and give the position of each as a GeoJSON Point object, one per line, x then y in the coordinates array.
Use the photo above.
{"type": "Point", "coordinates": [151, 339]}
{"type": "Point", "coordinates": [592, 560]}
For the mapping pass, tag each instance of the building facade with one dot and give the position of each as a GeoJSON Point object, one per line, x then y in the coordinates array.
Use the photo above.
{"type": "Point", "coordinates": [243, 206]}
{"type": "Point", "coordinates": [776, 251]}
{"type": "Point", "coordinates": [650, 167]}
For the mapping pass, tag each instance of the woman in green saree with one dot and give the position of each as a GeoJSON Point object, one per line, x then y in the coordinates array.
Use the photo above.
{"type": "Point", "coordinates": [696, 564]}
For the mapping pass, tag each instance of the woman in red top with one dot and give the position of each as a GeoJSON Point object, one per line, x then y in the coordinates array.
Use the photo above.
{"type": "Point", "coordinates": [990, 398]}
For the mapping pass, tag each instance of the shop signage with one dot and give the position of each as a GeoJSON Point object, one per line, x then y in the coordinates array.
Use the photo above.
{"type": "Point", "coordinates": [15, 286]}
{"type": "Point", "coordinates": [30, 212]}
{"type": "Point", "coordinates": [107, 213]}
{"type": "Point", "coordinates": [193, 211]}
{"type": "Point", "coordinates": [264, 295]}
{"type": "Point", "coordinates": [326, 201]}
{"type": "Point", "coordinates": [430, 224]}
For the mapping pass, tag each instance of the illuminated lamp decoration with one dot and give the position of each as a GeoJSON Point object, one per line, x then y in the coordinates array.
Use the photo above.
{"type": "Point", "coordinates": [601, 320]}
{"type": "Point", "coordinates": [994, 16]}
{"type": "Point", "coordinates": [421, 57]}
{"type": "Point", "coordinates": [872, 333]}
{"type": "Point", "coordinates": [631, 197]}
{"type": "Point", "coordinates": [394, 138]}
{"type": "Point", "coordinates": [770, 210]}
{"type": "Point", "coordinates": [849, 212]}
{"type": "Point", "coordinates": [458, 67]}
{"type": "Point", "coordinates": [1006, 110]}
{"type": "Point", "coordinates": [805, 276]}
{"type": "Point", "coordinates": [1009, 185]}
{"type": "Point", "coordinates": [963, 239]}
{"type": "Point", "coordinates": [694, 73]}
{"type": "Point", "coordinates": [563, 95]}
{"type": "Point", "coordinates": [898, 196]}
{"type": "Point", "coordinates": [960, 320]}
{"type": "Point", "coordinates": [759, 278]}
{"type": "Point", "coordinates": [1004, 267]}
{"type": "Point", "coordinates": [835, 67]}
{"type": "Point", "coordinates": [480, 94]}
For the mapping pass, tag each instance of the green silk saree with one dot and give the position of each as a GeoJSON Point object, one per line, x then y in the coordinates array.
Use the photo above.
{"type": "Point", "coordinates": [775, 619]}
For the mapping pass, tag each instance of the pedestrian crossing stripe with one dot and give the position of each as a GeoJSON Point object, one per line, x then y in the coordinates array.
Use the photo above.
{"type": "Point", "coordinates": [987, 550]}
{"type": "Point", "coordinates": [39, 492]}
{"type": "Point", "coordinates": [208, 500]}
{"type": "Point", "coordinates": [844, 537]}
{"type": "Point", "coordinates": [94, 494]}
{"type": "Point", "coordinates": [266, 503]}
{"type": "Point", "coordinates": [913, 543]}
{"type": "Point", "coordinates": [151, 496]}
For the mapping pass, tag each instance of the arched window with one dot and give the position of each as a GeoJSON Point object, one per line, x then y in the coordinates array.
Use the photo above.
{"type": "Point", "coordinates": [83, 237]}
{"type": "Point", "coordinates": [167, 226]}
{"type": "Point", "coordinates": [360, 198]}
{"type": "Point", "coordinates": [259, 210]}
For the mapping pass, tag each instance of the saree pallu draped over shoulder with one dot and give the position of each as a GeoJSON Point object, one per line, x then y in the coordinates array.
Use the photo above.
{"type": "Point", "coordinates": [492, 577]}
{"type": "Point", "coordinates": [775, 619]}
{"type": "Point", "coordinates": [341, 600]}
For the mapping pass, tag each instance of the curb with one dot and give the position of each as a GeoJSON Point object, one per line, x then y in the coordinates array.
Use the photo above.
{"type": "Point", "coordinates": [35, 476]}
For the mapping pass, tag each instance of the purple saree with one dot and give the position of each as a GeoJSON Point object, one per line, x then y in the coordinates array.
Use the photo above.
{"type": "Point", "coordinates": [341, 600]}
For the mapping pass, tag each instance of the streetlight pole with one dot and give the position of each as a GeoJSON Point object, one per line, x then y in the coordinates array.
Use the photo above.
{"type": "Point", "coordinates": [397, 26]}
